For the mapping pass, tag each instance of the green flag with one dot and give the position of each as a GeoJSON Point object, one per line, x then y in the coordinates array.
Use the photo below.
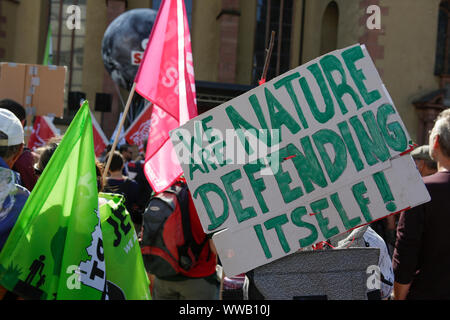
{"type": "Point", "coordinates": [48, 54]}
{"type": "Point", "coordinates": [55, 250]}
{"type": "Point", "coordinates": [126, 275]}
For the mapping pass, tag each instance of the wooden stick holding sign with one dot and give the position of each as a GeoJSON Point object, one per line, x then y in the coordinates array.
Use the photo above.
{"type": "Point", "coordinates": [268, 56]}
{"type": "Point", "coordinates": [116, 138]}
{"type": "Point", "coordinates": [262, 81]}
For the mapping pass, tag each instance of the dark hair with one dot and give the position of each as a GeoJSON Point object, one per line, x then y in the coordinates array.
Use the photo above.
{"type": "Point", "coordinates": [431, 164]}
{"type": "Point", "coordinates": [50, 149]}
{"type": "Point", "coordinates": [145, 144]}
{"type": "Point", "coordinates": [14, 107]}
{"type": "Point", "coordinates": [99, 172]}
{"type": "Point", "coordinates": [109, 147]}
{"type": "Point", "coordinates": [124, 147]}
{"type": "Point", "coordinates": [116, 161]}
{"type": "Point", "coordinates": [7, 152]}
{"type": "Point", "coordinates": [45, 156]}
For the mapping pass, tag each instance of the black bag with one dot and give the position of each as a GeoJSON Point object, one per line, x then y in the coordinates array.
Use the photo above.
{"type": "Point", "coordinates": [167, 245]}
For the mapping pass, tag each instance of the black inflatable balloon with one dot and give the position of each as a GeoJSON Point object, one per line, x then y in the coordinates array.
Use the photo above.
{"type": "Point", "coordinates": [127, 34]}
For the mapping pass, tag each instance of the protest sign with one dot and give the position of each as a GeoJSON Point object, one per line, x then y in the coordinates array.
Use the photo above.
{"type": "Point", "coordinates": [311, 154]}
{"type": "Point", "coordinates": [40, 89]}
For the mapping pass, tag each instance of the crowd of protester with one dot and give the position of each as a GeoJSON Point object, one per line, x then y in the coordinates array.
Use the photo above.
{"type": "Point", "coordinates": [415, 241]}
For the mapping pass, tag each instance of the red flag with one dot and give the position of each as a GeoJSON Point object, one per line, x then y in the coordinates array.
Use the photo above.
{"type": "Point", "coordinates": [139, 130]}
{"type": "Point", "coordinates": [100, 140]}
{"type": "Point", "coordinates": [166, 78]}
{"type": "Point", "coordinates": [43, 130]}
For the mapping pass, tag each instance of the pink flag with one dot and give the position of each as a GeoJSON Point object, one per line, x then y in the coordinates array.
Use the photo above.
{"type": "Point", "coordinates": [100, 140]}
{"type": "Point", "coordinates": [166, 78]}
{"type": "Point", "coordinates": [139, 130]}
{"type": "Point", "coordinates": [43, 130]}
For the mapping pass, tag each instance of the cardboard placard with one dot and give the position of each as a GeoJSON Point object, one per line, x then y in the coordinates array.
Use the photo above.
{"type": "Point", "coordinates": [309, 155]}
{"type": "Point", "coordinates": [286, 231]}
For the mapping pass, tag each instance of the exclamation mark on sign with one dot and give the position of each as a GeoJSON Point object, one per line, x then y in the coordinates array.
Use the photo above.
{"type": "Point", "coordinates": [385, 190]}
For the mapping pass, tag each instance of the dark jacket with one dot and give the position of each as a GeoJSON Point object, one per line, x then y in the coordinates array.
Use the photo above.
{"type": "Point", "coordinates": [422, 250]}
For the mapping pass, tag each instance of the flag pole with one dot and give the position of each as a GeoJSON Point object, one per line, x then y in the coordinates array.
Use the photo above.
{"type": "Point", "coordinates": [116, 139]}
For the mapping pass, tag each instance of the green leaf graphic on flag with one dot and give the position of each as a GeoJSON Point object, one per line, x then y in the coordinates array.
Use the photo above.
{"type": "Point", "coordinates": [55, 250]}
{"type": "Point", "coordinates": [126, 275]}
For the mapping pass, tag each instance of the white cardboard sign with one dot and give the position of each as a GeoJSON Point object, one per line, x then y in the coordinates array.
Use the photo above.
{"type": "Point", "coordinates": [311, 154]}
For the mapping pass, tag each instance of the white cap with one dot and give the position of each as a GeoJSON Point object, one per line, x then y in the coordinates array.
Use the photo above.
{"type": "Point", "coordinates": [12, 127]}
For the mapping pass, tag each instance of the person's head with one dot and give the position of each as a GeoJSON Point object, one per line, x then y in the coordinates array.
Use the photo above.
{"type": "Point", "coordinates": [117, 162]}
{"type": "Point", "coordinates": [109, 147]}
{"type": "Point", "coordinates": [99, 172]}
{"type": "Point", "coordinates": [126, 152]}
{"type": "Point", "coordinates": [47, 152]}
{"type": "Point", "coordinates": [439, 140]}
{"type": "Point", "coordinates": [424, 163]}
{"type": "Point", "coordinates": [16, 108]}
{"type": "Point", "coordinates": [11, 137]}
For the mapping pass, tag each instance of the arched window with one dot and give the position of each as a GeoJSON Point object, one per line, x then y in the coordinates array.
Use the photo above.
{"type": "Point", "coordinates": [329, 32]}
{"type": "Point", "coordinates": [442, 65]}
